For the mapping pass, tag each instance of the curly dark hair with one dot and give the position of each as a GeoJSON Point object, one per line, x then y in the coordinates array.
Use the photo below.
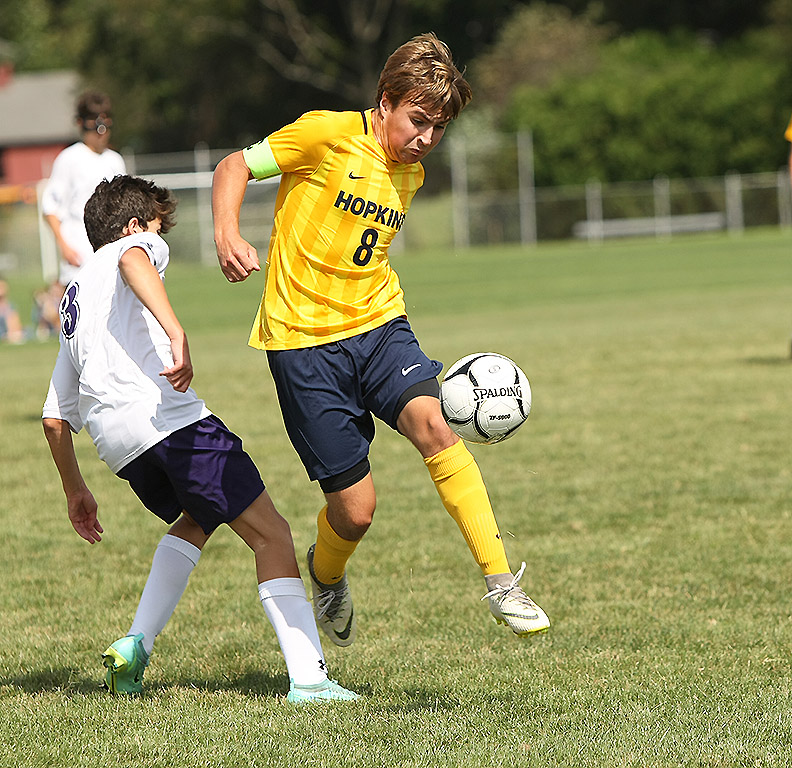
{"type": "Point", "coordinates": [115, 202]}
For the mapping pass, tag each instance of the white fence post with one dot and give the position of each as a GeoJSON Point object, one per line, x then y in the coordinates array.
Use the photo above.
{"type": "Point", "coordinates": [203, 164]}
{"type": "Point", "coordinates": [527, 182]}
{"type": "Point", "coordinates": [129, 161]}
{"type": "Point", "coordinates": [47, 246]}
{"type": "Point", "coordinates": [784, 191]}
{"type": "Point", "coordinates": [734, 206]}
{"type": "Point", "coordinates": [459, 192]}
{"type": "Point", "coordinates": [661, 188]}
{"type": "Point", "coordinates": [596, 231]}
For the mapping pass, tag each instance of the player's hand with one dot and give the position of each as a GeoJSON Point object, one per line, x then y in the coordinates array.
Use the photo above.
{"type": "Point", "coordinates": [238, 259]}
{"type": "Point", "coordinates": [70, 256]}
{"type": "Point", "coordinates": [82, 515]}
{"type": "Point", "coordinates": [180, 374]}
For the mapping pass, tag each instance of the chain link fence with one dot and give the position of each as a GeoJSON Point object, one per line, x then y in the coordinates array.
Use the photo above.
{"type": "Point", "coordinates": [475, 193]}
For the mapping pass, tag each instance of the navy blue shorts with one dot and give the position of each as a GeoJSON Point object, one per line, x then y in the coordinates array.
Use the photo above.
{"type": "Point", "coordinates": [200, 469]}
{"type": "Point", "coordinates": [328, 394]}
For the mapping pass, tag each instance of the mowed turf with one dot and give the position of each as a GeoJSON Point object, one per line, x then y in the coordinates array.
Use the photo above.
{"type": "Point", "coordinates": [649, 493]}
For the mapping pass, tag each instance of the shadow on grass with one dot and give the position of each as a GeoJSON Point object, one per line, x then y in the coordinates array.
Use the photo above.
{"type": "Point", "coordinates": [71, 682]}
{"type": "Point", "coordinates": [251, 683]}
{"type": "Point", "coordinates": [65, 680]}
{"type": "Point", "coordinates": [768, 360]}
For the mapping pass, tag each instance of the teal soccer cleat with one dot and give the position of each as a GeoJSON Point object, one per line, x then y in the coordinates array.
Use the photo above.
{"type": "Point", "coordinates": [328, 690]}
{"type": "Point", "coordinates": [126, 661]}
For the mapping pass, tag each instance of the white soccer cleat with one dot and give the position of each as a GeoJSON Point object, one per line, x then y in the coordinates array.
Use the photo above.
{"type": "Point", "coordinates": [332, 605]}
{"type": "Point", "coordinates": [509, 605]}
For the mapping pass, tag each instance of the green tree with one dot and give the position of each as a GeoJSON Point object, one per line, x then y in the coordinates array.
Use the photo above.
{"type": "Point", "coordinates": [34, 36]}
{"type": "Point", "coordinates": [228, 73]}
{"type": "Point", "coordinates": [539, 44]}
{"type": "Point", "coordinates": [719, 19]}
{"type": "Point", "coordinates": [675, 106]}
{"type": "Point", "coordinates": [175, 80]}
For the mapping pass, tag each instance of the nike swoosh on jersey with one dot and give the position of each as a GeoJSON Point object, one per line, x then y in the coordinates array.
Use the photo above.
{"type": "Point", "coordinates": [344, 633]}
{"type": "Point", "coordinates": [405, 371]}
{"type": "Point", "coordinates": [355, 178]}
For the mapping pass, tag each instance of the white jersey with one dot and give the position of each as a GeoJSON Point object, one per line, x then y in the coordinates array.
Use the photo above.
{"type": "Point", "coordinates": [112, 351]}
{"type": "Point", "coordinates": [75, 173]}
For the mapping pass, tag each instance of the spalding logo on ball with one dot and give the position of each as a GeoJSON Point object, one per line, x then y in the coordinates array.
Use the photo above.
{"type": "Point", "coordinates": [485, 397]}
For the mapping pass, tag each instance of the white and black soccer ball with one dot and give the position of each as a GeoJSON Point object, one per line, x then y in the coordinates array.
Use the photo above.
{"type": "Point", "coordinates": [485, 397]}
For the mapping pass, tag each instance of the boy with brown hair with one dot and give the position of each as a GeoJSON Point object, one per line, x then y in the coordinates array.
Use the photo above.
{"type": "Point", "coordinates": [333, 318]}
{"type": "Point", "coordinates": [124, 372]}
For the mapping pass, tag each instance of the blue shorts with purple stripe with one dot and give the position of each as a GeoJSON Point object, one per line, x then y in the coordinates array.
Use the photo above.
{"type": "Point", "coordinates": [200, 469]}
{"type": "Point", "coordinates": [328, 394]}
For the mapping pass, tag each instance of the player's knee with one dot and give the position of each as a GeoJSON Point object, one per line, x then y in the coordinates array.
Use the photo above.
{"type": "Point", "coordinates": [277, 529]}
{"type": "Point", "coordinates": [436, 425]}
{"type": "Point", "coordinates": [275, 538]}
{"type": "Point", "coordinates": [261, 525]}
{"type": "Point", "coordinates": [431, 434]}
{"type": "Point", "coordinates": [360, 519]}
{"type": "Point", "coordinates": [351, 518]}
{"type": "Point", "coordinates": [265, 539]}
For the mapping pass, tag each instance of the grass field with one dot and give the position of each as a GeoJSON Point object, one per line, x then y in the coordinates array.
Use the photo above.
{"type": "Point", "coordinates": [649, 494]}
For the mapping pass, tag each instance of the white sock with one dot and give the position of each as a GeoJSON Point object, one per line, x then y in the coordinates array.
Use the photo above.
{"type": "Point", "coordinates": [171, 567]}
{"type": "Point", "coordinates": [291, 616]}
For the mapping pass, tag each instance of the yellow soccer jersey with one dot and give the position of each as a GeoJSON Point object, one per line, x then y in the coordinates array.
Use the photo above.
{"type": "Point", "coordinates": [339, 205]}
{"type": "Point", "coordinates": [788, 132]}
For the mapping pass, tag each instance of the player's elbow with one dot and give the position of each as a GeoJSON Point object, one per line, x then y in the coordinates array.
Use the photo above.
{"type": "Point", "coordinates": [53, 428]}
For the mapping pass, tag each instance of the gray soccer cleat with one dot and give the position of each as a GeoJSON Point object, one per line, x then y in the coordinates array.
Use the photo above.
{"type": "Point", "coordinates": [332, 606]}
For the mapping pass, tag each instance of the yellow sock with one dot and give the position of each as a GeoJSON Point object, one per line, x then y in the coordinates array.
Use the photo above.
{"type": "Point", "coordinates": [461, 487]}
{"type": "Point", "coordinates": [331, 551]}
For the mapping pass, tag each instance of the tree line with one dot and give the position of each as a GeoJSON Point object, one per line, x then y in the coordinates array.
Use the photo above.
{"type": "Point", "coordinates": [614, 89]}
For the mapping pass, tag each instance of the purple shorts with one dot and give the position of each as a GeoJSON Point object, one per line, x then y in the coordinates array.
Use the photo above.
{"type": "Point", "coordinates": [200, 469]}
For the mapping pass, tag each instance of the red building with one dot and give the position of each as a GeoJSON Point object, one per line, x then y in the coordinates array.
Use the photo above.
{"type": "Point", "coordinates": [36, 122]}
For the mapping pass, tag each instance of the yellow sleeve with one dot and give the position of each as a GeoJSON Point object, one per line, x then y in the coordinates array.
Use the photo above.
{"type": "Point", "coordinates": [788, 132]}
{"type": "Point", "coordinates": [301, 146]}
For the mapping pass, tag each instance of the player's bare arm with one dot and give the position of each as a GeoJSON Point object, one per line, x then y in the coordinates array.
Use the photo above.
{"type": "Point", "coordinates": [144, 280]}
{"type": "Point", "coordinates": [80, 502]}
{"type": "Point", "coordinates": [69, 254]}
{"type": "Point", "coordinates": [238, 258]}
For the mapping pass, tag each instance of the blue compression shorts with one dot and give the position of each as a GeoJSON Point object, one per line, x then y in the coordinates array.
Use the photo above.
{"type": "Point", "coordinates": [329, 393]}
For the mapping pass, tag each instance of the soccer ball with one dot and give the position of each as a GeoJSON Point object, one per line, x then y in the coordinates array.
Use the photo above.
{"type": "Point", "coordinates": [485, 397]}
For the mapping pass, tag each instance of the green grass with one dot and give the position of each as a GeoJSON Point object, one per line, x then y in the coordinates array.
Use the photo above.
{"type": "Point", "coordinates": [649, 494]}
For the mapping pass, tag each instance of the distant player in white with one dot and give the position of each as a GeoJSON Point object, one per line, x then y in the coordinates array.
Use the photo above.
{"type": "Point", "coordinates": [75, 173]}
{"type": "Point", "coordinates": [123, 372]}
